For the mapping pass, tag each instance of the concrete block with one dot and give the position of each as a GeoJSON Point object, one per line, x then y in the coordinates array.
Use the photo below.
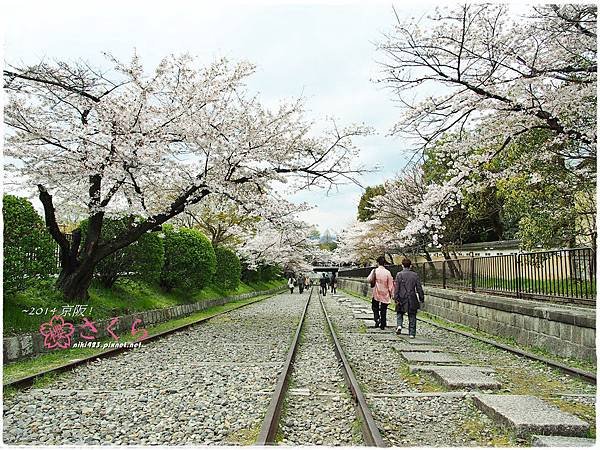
{"type": "Point", "coordinates": [415, 341]}
{"type": "Point", "coordinates": [462, 377]}
{"type": "Point", "coordinates": [429, 357]}
{"type": "Point", "coordinates": [588, 337]}
{"type": "Point", "coordinates": [554, 328]}
{"type": "Point", "coordinates": [543, 326]}
{"type": "Point", "coordinates": [566, 332]}
{"type": "Point", "coordinates": [402, 347]}
{"type": "Point", "coordinates": [430, 368]}
{"type": "Point", "coordinates": [38, 343]}
{"type": "Point", "coordinates": [12, 350]}
{"type": "Point", "coordinates": [528, 415]}
{"type": "Point", "coordinates": [26, 344]}
{"type": "Point", "coordinates": [561, 441]}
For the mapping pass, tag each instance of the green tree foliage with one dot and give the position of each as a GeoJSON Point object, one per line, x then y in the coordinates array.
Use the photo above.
{"type": "Point", "coordinates": [143, 259]}
{"type": "Point", "coordinates": [229, 269]}
{"type": "Point", "coordinates": [314, 233]}
{"type": "Point", "coordinates": [261, 273]}
{"type": "Point", "coordinates": [545, 203]}
{"type": "Point", "coordinates": [28, 247]}
{"type": "Point", "coordinates": [552, 202]}
{"type": "Point", "coordinates": [190, 259]}
{"type": "Point", "coordinates": [364, 205]}
{"type": "Point", "coordinates": [482, 217]}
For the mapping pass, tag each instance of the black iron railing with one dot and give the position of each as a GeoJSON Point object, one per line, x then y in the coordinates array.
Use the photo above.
{"type": "Point", "coordinates": [567, 275]}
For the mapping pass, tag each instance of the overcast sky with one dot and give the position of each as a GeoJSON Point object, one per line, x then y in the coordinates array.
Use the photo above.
{"type": "Point", "coordinates": [322, 51]}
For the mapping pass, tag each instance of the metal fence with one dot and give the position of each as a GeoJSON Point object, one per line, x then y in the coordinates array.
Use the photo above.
{"type": "Point", "coordinates": [567, 275]}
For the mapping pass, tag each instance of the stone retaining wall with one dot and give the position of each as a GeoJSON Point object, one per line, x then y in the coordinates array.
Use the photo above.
{"type": "Point", "coordinates": [31, 344]}
{"type": "Point", "coordinates": [561, 330]}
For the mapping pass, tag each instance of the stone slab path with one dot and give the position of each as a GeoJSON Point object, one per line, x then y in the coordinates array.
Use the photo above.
{"type": "Point", "coordinates": [462, 377]}
{"type": "Point", "coordinates": [429, 357]}
{"type": "Point", "coordinates": [416, 348]}
{"type": "Point", "coordinates": [530, 415]}
{"type": "Point", "coordinates": [562, 441]}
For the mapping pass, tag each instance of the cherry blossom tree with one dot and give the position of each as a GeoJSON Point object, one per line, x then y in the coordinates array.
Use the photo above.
{"type": "Point", "coordinates": [153, 144]}
{"type": "Point", "coordinates": [363, 242]}
{"type": "Point", "coordinates": [286, 244]}
{"type": "Point", "coordinates": [498, 78]}
{"type": "Point", "coordinates": [219, 218]}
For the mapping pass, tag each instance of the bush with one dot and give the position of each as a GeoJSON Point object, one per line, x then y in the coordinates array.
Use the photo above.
{"type": "Point", "coordinates": [261, 273]}
{"type": "Point", "coordinates": [190, 260]}
{"type": "Point", "coordinates": [142, 259]}
{"type": "Point", "coordinates": [270, 272]}
{"type": "Point", "coordinates": [229, 269]}
{"type": "Point", "coordinates": [29, 250]}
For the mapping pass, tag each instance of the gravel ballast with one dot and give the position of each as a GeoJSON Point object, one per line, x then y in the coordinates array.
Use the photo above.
{"type": "Point", "coordinates": [318, 408]}
{"type": "Point", "coordinates": [208, 384]}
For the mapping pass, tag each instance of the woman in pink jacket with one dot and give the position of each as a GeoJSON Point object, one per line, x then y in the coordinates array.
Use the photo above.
{"type": "Point", "coordinates": [383, 290]}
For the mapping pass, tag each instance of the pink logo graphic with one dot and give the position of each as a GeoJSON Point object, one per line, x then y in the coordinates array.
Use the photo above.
{"type": "Point", "coordinates": [57, 333]}
{"type": "Point", "coordinates": [135, 331]}
{"type": "Point", "coordinates": [87, 325]}
{"type": "Point", "coordinates": [113, 322]}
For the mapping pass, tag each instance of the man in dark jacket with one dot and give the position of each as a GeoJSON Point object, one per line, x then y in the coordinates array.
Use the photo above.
{"type": "Point", "coordinates": [301, 285]}
{"type": "Point", "coordinates": [407, 287]}
{"type": "Point", "coordinates": [324, 282]}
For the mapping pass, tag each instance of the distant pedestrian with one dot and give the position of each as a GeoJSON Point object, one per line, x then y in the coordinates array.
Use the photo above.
{"type": "Point", "coordinates": [408, 296]}
{"type": "Point", "coordinates": [291, 283]}
{"type": "Point", "coordinates": [323, 282]}
{"type": "Point", "coordinates": [307, 282]}
{"type": "Point", "coordinates": [333, 285]}
{"type": "Point", "coordinates": [301, 284]}
{"type": "Point", "coordinates": [383, 288]}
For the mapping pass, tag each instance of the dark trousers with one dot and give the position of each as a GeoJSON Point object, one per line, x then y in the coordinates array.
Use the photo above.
{"type": "Point", "coordinates": [292, 290]}
{"type": "Point", "coordinates": [301, 288]}
{"type": "Point", "coordinates": [379, 313]}
{"type": "Point", "coordinates": [412, 322]}
{"type": "Point", "coordinates": [324, 290]}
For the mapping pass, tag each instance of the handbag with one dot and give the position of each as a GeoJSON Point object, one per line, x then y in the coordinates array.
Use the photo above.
{"type": "Point", "coordinates": [374, 280]}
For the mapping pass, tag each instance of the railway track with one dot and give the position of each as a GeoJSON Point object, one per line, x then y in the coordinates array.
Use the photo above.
{"type": "Point", "coordinates": [412, 383]}
{"type": "Point", "coordinates": [318, 396]}
{"type": "Point", "coordinates": [212, 385]}
{"type": "Point", "coordinates": [204, 385]}
{"type": "Point", "coordinates": [558, 365]}
{"type": "Point", "coordinates": [29, 380]}
{"type": "Point", "coordinates": [590, 376]}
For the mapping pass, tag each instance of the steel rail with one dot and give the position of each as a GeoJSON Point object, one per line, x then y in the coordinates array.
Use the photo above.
{"type": "Point", "coordinates": [518, 351]}
{"type": "Point", "coordinates": [370, 431]}
{"type": "Point", "coordinates": [27, 381]}
{"type": "Point", "coordinates": [270, 424]}
{"type": "Point", "coordinates": [568, 369]}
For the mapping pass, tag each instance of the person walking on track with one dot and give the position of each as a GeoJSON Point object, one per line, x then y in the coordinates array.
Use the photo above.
{"type": "Point", "coordinates": [408, 296]}
{"type": "Point", "coordinates": [301, 283]}
{"type": "Point", "coordinates": [333, 284]}
{"type": "Point", "coordinates": [323, 282]}
{"type": "Point", "coordinates": [382, 282]}
{"type": "Point", "coordinates": [291, 284]}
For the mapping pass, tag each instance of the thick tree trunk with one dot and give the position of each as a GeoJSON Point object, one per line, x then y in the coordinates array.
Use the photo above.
{"type": "Point", "coordinates": [458, 265]}
{"type": "Point", "coordinates": [430, 263]}
{"type": "Point", "coordinates": [451, 265]}
{"type": "Point", "coordinates": [74, 282]}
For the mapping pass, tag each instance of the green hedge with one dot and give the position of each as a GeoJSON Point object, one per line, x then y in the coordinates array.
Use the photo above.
{"type": "Point", "coordinates": [190, 260]}
{"type": "Point", "coordinates": [261, 273]}
{"type": "Point", "coordinates": [142, 259]}
{"type": "Point", "coordinates": [229, 269]}
{"type": "Point", "coordinates": [29, 250]}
